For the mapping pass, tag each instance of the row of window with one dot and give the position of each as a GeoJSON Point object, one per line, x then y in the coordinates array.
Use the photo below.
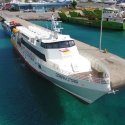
{"type": "Point", "coordinates": [36, 52]}
{"type": "Point", "coordinates": [34, 7]}
{"type": "Point", "coordinates": [26, 37]}
{"type": "Point", "coordinates": [61, 44]}
{"type": "Point", "coordinates": [109, 11]}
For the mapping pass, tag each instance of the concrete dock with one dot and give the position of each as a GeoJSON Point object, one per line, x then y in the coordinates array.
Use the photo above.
{"type": "Point", "coordinates": [28, 15]}
{"type": "Point", "coordinates": [114, 64]}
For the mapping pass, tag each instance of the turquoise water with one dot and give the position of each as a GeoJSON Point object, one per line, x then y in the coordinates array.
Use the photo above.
{"type": "Point", "coordinates": [27, 99]}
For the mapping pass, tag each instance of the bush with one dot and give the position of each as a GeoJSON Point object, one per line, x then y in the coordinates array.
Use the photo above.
{"type": "Point", "coordinates": [74, 14]}
{"type": "Point", "coordinates": [98, 13]}
{"type": "Point", "coordinates": [63, 16]}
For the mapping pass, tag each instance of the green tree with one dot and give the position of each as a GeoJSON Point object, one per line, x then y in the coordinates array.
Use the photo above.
{"type": "Point", "coordinates": [74, 3]}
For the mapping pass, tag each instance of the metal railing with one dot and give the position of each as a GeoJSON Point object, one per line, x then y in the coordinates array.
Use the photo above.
{"type": "Point", "coordinates": [96, 63]}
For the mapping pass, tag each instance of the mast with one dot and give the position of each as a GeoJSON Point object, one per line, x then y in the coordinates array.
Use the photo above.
{"type": "Point", "coordinates": [100, 41]}
{"type": "Point", "coordinates": [56, 29]}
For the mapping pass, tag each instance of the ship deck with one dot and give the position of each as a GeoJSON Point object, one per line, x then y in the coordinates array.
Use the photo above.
{"type": "Point", "coordinates": [93, 75]}
{"type": "Point", "coordinates": [114, 64]}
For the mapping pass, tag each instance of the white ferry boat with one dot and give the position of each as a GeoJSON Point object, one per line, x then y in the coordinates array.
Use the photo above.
{"type": "Point", "coordinates": [55, 56]}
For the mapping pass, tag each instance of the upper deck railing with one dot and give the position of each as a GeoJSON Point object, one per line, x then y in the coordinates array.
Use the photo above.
{"type": "Point", "coordinates": [96, 64]}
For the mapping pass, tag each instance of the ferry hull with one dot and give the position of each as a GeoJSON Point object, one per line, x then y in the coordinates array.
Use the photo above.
{"type": "Point", "coordinates": [86, 94]}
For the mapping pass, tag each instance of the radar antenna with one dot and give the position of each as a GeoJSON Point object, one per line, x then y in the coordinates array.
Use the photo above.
{"type": "Point", "coordinates": [56, 29]}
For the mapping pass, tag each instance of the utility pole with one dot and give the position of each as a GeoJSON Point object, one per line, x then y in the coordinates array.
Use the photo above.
{"type": "Point", "coordinates": [100, 42]}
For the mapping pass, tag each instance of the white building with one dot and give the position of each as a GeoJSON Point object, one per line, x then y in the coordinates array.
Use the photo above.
{"type": "Point", "coordinates": [97, 1]}
{"type": "Point", "coordinates": [64, 1]}
{"type": "Point", "coordinates": [83, 0]}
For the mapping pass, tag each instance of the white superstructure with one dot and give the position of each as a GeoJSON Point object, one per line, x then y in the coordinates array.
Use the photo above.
{"type": "Point", "coordinates": [55, 56]}
{"type": "Point", "coordinates": [109, 1]}
{"type": "Point", "coordinates": [114, 14]}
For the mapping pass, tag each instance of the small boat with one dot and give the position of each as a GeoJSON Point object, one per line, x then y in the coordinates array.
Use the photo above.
{"type": "Point", "coordinates": [55, 56]}
{"type": "Point", "coordinates": [9, 25]}
{"type": "Point", "coordinates": [113, 14]}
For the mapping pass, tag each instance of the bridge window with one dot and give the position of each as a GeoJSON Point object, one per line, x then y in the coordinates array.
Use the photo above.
{"type": "Point", "coordinates": [39, 66]}
{"type": "Point", "coordinates": [55, 45]}
{"type": "Point", "coordinates": [26, 37]}
{"type": "Point", "coordinates": [43, 45]}
{"type": "Point", "coordinates": [33, 50]}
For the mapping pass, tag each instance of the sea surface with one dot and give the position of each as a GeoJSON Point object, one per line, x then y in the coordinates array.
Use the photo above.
{"type": "Point", "coordinates": [27, 99]}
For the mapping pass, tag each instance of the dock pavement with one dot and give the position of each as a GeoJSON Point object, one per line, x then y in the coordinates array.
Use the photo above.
{"type": "Point", "coordinates": [114, 64]}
